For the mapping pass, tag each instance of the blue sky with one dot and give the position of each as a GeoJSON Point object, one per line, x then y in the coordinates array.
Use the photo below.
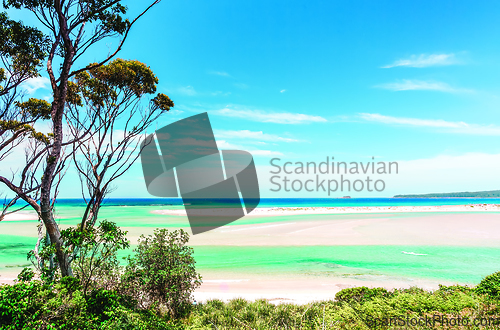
{"type": "Point", "coordinates": [413, 82]}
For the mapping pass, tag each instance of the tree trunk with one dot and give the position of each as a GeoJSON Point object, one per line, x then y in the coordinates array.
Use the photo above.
{"type": "Point", "coordinates": [47, 211]}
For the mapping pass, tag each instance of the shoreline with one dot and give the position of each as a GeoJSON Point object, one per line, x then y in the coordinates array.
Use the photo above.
{"type": "Point", "coordinates": [278, 211]}
{"type": "Point", "coordinates": [297, 289]}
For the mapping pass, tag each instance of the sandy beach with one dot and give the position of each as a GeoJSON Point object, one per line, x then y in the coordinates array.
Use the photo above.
{"type": "Point", "coordinates": [298, 290]}
{"type": "Point", "coordinates": [279, 211]}
{"type": "Point", "coordinates": [463, 225]}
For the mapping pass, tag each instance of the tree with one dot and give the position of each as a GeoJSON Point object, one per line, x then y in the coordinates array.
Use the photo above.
{"type": "Point", "coordinates": [72, 28]}
{"type": "Point", "coordinates": [115, 93]}
{"type": "Point", "coordinates": [163, 270]}
{"type": "Point", "coordinates": [22, 50]}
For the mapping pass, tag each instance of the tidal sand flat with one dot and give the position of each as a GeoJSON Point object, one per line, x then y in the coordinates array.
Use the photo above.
{"type": "Point", "coordinates": [307, 253]}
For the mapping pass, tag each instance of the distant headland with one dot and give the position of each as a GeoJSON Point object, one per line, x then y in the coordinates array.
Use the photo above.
{"type": "Point", "coordinates": [476, 194]}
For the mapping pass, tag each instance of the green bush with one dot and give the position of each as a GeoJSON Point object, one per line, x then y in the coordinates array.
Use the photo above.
{"type": "Point", "coordinates": [93, 254]}
{"type": "Point", "coordinates": [20, 304]}
{"type": "Point", "coordinates": [35, 305]}
{"type": "Point", "coordinates": [162, 272]}
{"type": "Point", "coordinates": [360, 294]}
{"type": "Point", "coordinates": [490, 285]}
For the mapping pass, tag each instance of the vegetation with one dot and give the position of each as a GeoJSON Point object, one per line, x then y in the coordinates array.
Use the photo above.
{"type": "Point", "coordinates": [476, 194]}
{"type": "Point", "coordinates": [152, 291]}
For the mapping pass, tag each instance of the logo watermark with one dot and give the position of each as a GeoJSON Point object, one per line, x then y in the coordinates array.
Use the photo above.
{"type": "Point", "coordinates": [182, 159]}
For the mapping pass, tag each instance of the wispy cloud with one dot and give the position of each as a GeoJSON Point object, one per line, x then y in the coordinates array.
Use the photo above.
{"type": "Point", "coordinates": [187, 90]}
{"type": "Point", "coordinates": [270, 117]}
{"type": "Point", "coordinates": [33, 84]}
{"type": "Point", "coordinates": [241, 85]}
{"type": "Point", "coordinates": [220, 93]}
{"type": "Point", "coordinates": [423, 61]}
{"type": "Point", "coordinates": [223, 144]}
{"type": "Point", "coordinates": [175, 112]}
{"type": "Point", "coordinates": [283, 90]}
{"type": "Point", "coordinates": [409, 85]}
{"type": "Point", "coordinates": [255, 135]}
{"type": "Point", "coordinates": [458, 127]}
{"type": "Point", "coordinates": [220, 73]}
{"type": "Point", "coordinates": [191, 91]}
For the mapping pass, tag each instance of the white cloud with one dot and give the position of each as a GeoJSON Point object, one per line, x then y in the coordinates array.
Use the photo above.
{"type": "Point", "coordinates": [447, 173]}
{"type": "Point", "coordinates": [220, 93]}
{"type": "Point", "coordinates": [283, 90]}
{"type": "Point", "coordinates": [224, 145]}
{"type": "Point", "coordinates": [423, 61]}
{"type": "Point", "coordinates": [246, 134]}
{"type": "Point", "coordinates": [188, 90]}
{"type": "Point", "coordinates": [458, 127]}
{"type": "Point", "coordinates": [408, 85]}
{"type": "Point", "coordinates": [241, 85]}
{"type": "Point", "coordinates": [220, 73]}
{"type": "Point", "coordinates": [270, 117]}
{"type": "Point", "coordinates": [33, 84]}
{"type": "Point", "coordinates": [191, 91]}
{"type": "Point", "coordinates": [175, 112]}
{"type": "Point", "coordinates": [267, 153]}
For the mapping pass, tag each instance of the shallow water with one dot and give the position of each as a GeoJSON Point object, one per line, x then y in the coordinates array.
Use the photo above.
{"type": "Point", "coordinates": [465, 265]}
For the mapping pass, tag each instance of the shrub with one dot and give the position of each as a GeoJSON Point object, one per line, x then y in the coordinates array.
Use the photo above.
{"type": "Point", "coordinates": [93, 254]}
{"type": "Point", "coordinates": [490, 285]}
{"type": "Point", "coordinates": [163, 271]}
{"type": "Point", "coordinates": [26, 275]}
{"type": "Point", "coordinates": [360, 294]}
{"type": "Point", "coordinates": [19, 304]}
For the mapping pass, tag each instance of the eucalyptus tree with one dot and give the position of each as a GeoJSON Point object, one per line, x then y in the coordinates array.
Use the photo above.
{"type": "Point", "coordinates": [121, 94]}
{"type": "Point", "coordinates": [66, 30]}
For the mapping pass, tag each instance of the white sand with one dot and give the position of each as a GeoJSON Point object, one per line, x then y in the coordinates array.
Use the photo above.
{"type": "Point", "coordinates": [20, 216]}
{"type": "Point", "coordinates": [279, 211]}
{"type": "Point", "coordinates": [294, 290]}
{"type": "Point", "coordinates": [461, 225]}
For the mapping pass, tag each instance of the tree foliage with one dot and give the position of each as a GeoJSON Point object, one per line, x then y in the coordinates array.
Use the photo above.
{"type": "Point", "coordinates": [108, 103]}
{"type": "Point", "coordinates": [490, 285]}
{"type": "Point", "coordinates": [163, 271]}
{"type": "Point", "coordinates": [22, 51]}
{"type": "Point", "coordinates": [94, 254]}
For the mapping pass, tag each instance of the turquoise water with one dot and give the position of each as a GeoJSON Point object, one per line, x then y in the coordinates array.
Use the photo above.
{"type": "Point", "coordinates": [447, 263]}
{"type": "Point", "coordinates": [467, 265]}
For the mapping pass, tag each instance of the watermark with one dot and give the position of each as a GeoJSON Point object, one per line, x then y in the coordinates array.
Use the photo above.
{"type": "Point", "coordinates": [329, 176]}
{"type": "Point", "coordinates": [432, 321]}
{"type": "Point", "coordinates": [182, 159]}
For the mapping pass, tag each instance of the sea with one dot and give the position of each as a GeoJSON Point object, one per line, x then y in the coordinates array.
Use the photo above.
{"type": "Point", "coordinates": [449, 264]}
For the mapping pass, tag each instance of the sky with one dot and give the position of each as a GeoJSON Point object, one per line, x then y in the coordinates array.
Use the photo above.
{"type": "Point", "coordinates": [408, 82]}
